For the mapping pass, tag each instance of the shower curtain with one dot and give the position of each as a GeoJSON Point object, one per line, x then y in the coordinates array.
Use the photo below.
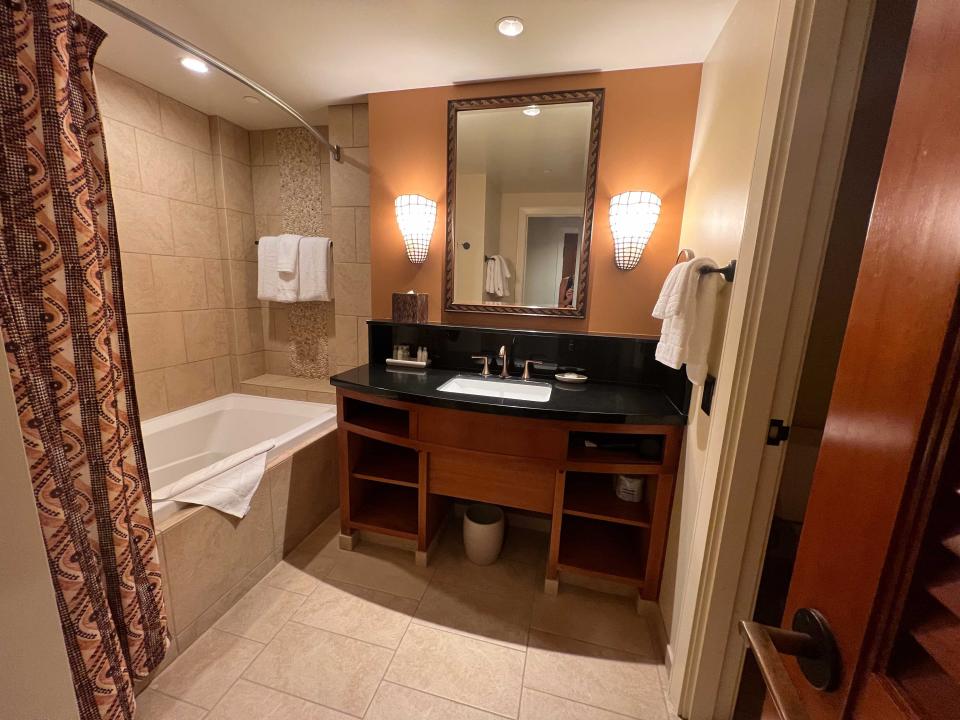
{"type": "Point", "coordinates": [67, 347]}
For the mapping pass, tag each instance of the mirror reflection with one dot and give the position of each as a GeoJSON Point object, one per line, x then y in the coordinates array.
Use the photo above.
{"type": "Point", "coordinates": [521, 185]}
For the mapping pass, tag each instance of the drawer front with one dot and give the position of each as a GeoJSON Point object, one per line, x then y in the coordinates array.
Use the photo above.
{"type": "Point", "coordinates": [492, 433]}
{"type": "Point", "coordinates": [513, 482]}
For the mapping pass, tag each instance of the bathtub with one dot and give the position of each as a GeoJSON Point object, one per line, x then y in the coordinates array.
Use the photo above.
{"type": "Point", "coordinates": [190, 439]}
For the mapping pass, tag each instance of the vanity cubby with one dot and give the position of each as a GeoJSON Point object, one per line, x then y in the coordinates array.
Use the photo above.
{"type": "Point", "coordinates": [403, 462]}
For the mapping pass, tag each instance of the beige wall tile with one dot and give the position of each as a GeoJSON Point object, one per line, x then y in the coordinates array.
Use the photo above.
{"type": "Point", "coordinates": [268, 225]}
{"type": "Point", "coordinates": [248, 389]}
{"type": "Point", "coordinates": [256, 147]}
{"type": "Point", "coordinates": [166, 168]}
{"type": "Point", "coordinates": [230, 140]}
{"type": "Point", "coordinates": [363, 344]}
{"type": "Point", "coordinates": [180, 282]}
{"type": "Point", "coordinates": [322, 397]}
{"type": "Point", "coordinates": [151, 393]}
{"type": "Point", "coordinates": [195, 230]}
{"type": "Point", "coordinates": [206, 187]}
{"type": "Point", "coordinates": [350, 179]}
{"type": "Point", "coordinates": [213, 276]}
{"type": "Point", "coordinates": [230, 225]}
{"type": "Point", "coordinates": [189, 384]}
{"type": "Point", "coordinates": [156, 340]}
{"type": "Point", "coordinates": [248, 366]}
{"type": "Point", "coordinates": [351, 283]}
{"type": "Point", "coordinates": [143, 222]}
{"type": "Point", "coordinates": [126, 100]}
{"type": "Point", "coordinates": [266, 189]}
{"type": "Point", "coordinates": [247, 330]}
{"type": "Point", "coordinates": [139, 295]}
{"type": "Point", "coordinates": [345, 340]}
{"type": "Point", "coordinates": [343, 232]}
{"type": "Point", "coordinates": [340, 124]}
{"type": "Point", "coordinates": [121, 142]}
{"type": "Point", "coordinates": [270, 154]}
{"type": "Point", "coordinates": [363, 234]}
{"type": "Point", "coordinates": [234, 185]}
{"type": "Point", "coordinates": [287, 393]}
{"type": "Point", "coordinates": [243, 284]}
{"type": "Point", "coordinates": [361, 137]}
{"type": "Point", "coordinates": [276, 327]}
{"type": "Point", "coordinates": [205, 333]}
{"type": "Point", "coordinates": [222, 376]}
{"type": "Point", "coordinates": [182, 124]}
{"type": "Point", "coordinates": [249, 227]}
{"type": "Point", "coordinates": [278, 362]}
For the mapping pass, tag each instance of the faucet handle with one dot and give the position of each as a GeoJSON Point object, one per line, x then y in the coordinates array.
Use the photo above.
{"type": "Point", "coordinates": [486, 364]}
{"type": "Point", "coordinates": [526, 368]}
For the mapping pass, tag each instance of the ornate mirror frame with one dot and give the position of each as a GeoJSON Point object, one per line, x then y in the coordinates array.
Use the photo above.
{"type": "Point", "coordinates": [594, 96]}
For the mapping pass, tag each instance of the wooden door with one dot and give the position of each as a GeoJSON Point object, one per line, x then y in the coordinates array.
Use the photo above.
{"type": "Point", "coordinates": [875, 556]}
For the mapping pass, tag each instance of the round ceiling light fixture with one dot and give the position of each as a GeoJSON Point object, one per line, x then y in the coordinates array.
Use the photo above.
{"type": "Point", "coordinates": [511, 26]}
{"type": "Point", "coordinates": [252, 99]}
{"type": "Point", "coordinates": [195, 65]}
{"type": "Point", "coordinates": [531, 111]}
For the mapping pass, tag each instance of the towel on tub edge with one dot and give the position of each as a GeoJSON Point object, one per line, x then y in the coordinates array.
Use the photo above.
{"type": "Point", "coordinates": [228, 485]}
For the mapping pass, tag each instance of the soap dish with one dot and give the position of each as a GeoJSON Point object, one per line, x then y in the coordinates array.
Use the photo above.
{"type": "Point", "coordinates": [408, 363]}
{"type": "Point", "coordinates": [571, 377]}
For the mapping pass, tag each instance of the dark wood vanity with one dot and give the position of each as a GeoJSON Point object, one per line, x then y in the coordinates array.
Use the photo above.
{"type": "Point", "coordinates": [402, 461]}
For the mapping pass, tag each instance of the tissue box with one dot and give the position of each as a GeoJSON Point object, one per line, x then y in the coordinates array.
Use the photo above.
{"type": "Point", "coordinates": [410, 307]}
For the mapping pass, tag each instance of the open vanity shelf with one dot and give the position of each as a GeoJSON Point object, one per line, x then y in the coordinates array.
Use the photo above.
{"type": "Point", "coordinates": [402, 463]}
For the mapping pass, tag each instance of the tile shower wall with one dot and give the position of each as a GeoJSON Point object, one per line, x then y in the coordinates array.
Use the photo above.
{"type": "Point", "coordinates": [175, 281]}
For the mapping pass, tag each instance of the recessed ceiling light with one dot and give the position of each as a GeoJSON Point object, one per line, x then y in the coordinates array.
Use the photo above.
{"type": "Point", "coordinates": [531, 111]}
{"type": "Point", "coordinates": [252, 99]}
{"type": "Point", "coordinates": [510, 26]}
{"type": "Point", "coordinates": [195, 65]}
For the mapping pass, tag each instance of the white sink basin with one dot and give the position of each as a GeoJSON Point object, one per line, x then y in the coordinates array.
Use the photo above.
{"type": "Point", "coordinates": [497, 388]}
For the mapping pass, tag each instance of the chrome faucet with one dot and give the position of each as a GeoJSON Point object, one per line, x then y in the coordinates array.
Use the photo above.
{"type": "Point", "coordinates": [505, 371]}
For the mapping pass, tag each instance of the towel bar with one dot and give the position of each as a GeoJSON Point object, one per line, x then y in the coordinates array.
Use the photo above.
{"type": "Point", "coordinates": [728, 270]}
{"type": "Point", "coordinates": [257, 242]}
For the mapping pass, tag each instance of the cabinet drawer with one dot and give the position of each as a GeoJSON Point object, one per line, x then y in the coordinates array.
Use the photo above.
{"type": "Point", "coordinates": [513, 482]}
{"type": "Point", "coordinates": [492, 433]}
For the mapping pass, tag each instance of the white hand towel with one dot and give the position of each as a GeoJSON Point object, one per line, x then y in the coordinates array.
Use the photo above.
{"type": "Point", "coordinates": [496, 275]}
{"type": "Point", "coordinates": [267, 281]}
{"type": "Point", "coordinates": [687, 304]}
{"type": "Point", "coordinates": [288, 248]}
{"type": "Point", "coordinates": [316, 269]}
{"type": "Point", "coordinates": [227, 485]}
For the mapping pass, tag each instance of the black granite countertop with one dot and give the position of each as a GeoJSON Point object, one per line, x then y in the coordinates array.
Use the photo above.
{"type": "Point", "coordinates": [590, 402]}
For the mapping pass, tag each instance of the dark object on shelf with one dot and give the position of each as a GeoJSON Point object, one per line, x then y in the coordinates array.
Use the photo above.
{"type": "Point", "coordinates": [410, 307]}
{"type": "Point", "coordinates": [706, 400]}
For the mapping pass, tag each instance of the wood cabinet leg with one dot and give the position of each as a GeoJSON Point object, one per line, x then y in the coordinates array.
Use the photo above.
{"type": "Point", "coordinates": [551, 587]}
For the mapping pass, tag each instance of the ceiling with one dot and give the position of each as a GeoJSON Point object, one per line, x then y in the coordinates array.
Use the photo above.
{"type": "Point", "coordinates": [516, 153]}
{"type": "Point", "coordinates": [316, 53]}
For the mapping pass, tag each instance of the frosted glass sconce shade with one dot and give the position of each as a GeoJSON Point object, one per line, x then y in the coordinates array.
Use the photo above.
{"type": "Point", "coordinates": [633, 216]}
{"type": "Point", "coordinates": [416, 216]}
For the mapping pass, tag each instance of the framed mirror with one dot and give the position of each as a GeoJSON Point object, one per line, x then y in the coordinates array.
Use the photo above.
{"type": "Point", "coordinates": [521, 182]}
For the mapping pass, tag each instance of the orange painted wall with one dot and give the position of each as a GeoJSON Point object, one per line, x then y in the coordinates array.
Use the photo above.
{"type": "Point", "coordinates": [648, 123]}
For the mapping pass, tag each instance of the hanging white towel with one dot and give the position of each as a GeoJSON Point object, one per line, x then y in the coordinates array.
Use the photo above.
{"type": "Point", "coordinates": [227, 485]}
{"type": "Point", "coordinates": [288, 248]}
{"type": "Point", "coordinates": [687, 305]}
{"type": "Point", "coordinates": [497, 275]}
{"type": "Point", "coordinates": [316, 269]}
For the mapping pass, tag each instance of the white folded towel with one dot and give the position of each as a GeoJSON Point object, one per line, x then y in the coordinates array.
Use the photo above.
{"type": "Point", "coordinates": [316, 269]}
{"type": "Point", "coordinates": [288, 249]}
{"type": "Point", "coordinates": [496, 276]}
{"type": "Point", "coordinates": [687, 304]}
{"type": "Point", "coordinates": [227, 485]}
{"type": "Point", "coordinates": [271, 283]}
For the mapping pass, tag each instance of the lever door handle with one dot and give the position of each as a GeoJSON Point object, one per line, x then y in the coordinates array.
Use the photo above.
{"type": "Point", "coordinates": [811, 642]}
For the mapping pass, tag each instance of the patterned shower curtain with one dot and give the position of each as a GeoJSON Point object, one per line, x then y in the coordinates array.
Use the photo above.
{"type": "Point", "coordinates": [68, 351]}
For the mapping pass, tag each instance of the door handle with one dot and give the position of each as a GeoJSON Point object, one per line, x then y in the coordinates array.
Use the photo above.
{"type": "Point", "coordinates": [811, 641]}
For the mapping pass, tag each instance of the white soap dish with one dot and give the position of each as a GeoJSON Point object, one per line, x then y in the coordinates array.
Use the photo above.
{"type": "Point", "coordinates": [571, 377]}
{"type": "Point", "coordinates": [408, 363]}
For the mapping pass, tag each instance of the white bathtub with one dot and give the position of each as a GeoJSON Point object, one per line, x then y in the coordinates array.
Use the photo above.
{"type": "Point", "coordinates": [187, 440]}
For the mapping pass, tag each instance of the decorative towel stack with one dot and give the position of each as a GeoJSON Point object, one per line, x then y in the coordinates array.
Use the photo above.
{"type": "Point", "coordinates": [687, 304]}
{"type": "Point", "coordinates": [295, 268]}
{"type": "Point", "coordinates": [497, 276]}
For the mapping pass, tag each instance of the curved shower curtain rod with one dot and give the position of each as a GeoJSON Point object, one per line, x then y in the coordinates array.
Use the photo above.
{"type": "Point", "coordinates": [162, 32]}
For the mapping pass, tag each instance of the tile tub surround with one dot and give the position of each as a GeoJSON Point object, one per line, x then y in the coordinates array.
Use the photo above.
{"type": "Point", "coordinates": [211, 560]}
{"type": "Point", "coordinates": [331, 635]}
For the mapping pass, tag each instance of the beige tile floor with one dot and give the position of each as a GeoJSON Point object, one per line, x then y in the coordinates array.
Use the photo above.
{"type": "Point", "coordinates": [333, 635]}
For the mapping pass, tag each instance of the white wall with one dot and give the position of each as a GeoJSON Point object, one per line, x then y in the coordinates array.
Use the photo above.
{"type": "Point", "coordinates": [732, 93]}
{"type": "Point", "coordinates": [470, 221]}
{"type": "Point", "coordinates": [35, 680]}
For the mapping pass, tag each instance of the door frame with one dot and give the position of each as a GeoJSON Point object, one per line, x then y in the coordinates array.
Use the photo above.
{"type": "Point", "coordinates": [819, 49]}
{"type": "Point", "coordinates": [524, 213]}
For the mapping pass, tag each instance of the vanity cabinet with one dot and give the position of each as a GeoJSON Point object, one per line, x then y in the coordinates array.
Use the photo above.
{"type": "Point", "coordinates": [401, 464]}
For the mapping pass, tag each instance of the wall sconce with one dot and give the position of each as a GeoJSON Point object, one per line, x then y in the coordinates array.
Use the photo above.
{"type": "Point", "coordinates": [416, 216]}
{"type": "Point", "coordinates": [633, 216]}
